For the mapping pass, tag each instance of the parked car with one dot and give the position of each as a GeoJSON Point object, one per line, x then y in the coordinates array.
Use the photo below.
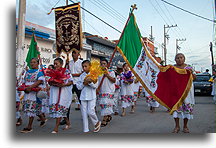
{"type": "Point", "coordinates": [202, 85]}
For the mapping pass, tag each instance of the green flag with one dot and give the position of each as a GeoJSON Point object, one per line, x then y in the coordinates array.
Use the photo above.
{"type": "Point", "coordinates": [130, 42]}
{"type": "Point", "coordinates": [33, 52]}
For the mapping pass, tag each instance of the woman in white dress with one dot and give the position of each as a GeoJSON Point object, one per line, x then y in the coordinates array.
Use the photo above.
{"type": "Point", "coordinates": [32, 105]}
{"type": "Point", "coordinates": [185, 111]}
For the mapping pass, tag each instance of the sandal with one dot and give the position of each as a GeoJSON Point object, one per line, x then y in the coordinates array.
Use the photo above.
{"type": "Point", "coordinates": [97, 127]}
{"type": "Point", "coordinates": [116, 113]}
{"type": "Point", "coordinates": [104, 124]}
{"type": "Point", "coordinates": [123, 114]}
{"type": "Point", "coordinates": [43, 123]}
{"type": "Point", "coordinates": [19, 122]}
{"type": "Point", "coordinates": [109, 118]}
{"type": "Point", "coordinates": [54, 132]}
{"type": "Point", "coordinates": [186, 130]}
{"type": "Point", "coordinates": [176, 130]}
{"type": "Point", "coordinates": [132, 111]}
{"type": "Point", "coordinates": [67, 127]}
{"type": "Point", "coordinates": [26, 130]}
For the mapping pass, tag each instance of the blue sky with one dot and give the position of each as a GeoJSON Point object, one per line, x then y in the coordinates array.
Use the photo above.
{"type": "Point", "coordinates": [198, 32]}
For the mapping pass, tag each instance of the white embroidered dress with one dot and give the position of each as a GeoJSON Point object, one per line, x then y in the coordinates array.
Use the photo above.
{"type": "Point", "coordinates": [60, 109]}
{"type": "Point", "coordinates": [106, 94]}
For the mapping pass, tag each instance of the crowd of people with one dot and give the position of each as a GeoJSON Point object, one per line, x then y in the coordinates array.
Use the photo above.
{"type": "Point", "coordinates": [110, 92]}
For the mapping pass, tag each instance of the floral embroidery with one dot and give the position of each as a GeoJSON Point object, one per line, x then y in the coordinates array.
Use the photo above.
{"type": "Point", "coordinates": [150, 100]}
{"type": "Point", "coordinates": [105, 100]}
{"type": "Point", "coordinates": [110, 96]}
{"type": "Point", "coordinates": [126, 76]}
{"type": "Point", "coordinates": [29, 106]}
{"type": "Point", "coordinates": [31, 77]}
{"type": "Point", "coordinates": [135, 94]}
{"type": "Point", "coordinates": [62, 110]}
{"type": "Point", "coordinates": [141, 62]}
{"type": "Point", "coordinates": [153, 75]}
{"type": "Point", "coordinates": [186, 108]}
{"type": "Point", "coordinates": [127, 98]}
{"type": "Point", "coordinates": [104, 106]}
{"type": "Point", "coordinates": [153, 72]}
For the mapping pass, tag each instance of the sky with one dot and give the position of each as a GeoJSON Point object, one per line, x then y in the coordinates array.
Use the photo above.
{"type": "Point", "coordinates": [198, 32]}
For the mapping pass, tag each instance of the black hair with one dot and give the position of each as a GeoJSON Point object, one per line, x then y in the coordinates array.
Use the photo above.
{"type": "Point", "coordinates": [86, 61]}
{"type": "Point", "coordinates": [53, 67]}
{"type": "Point", "coordinates": [60, 60]}
{"type": "Point", "coordinates": [124, 65]}
{"type": "Point", "coordinates": [207, 70]}
{"type": "Point", "coordinates": [104, 59]}
{"type": "Point", "coordinates": [35, 59]}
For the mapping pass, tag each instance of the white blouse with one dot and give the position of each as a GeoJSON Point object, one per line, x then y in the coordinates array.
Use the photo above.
{"type": "Point", "coordinates": [88, 92]}
{"type": "Point", "coordinates": [107, 86]}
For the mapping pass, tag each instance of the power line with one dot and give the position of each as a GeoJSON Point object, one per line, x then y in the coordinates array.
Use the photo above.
{"type": "Point", "coordinates": [105, 9]}
{"type": "Point", "coordinates": [93, 28]}
{"type": "Point", "coordinates": [111, 10]}
{"type": "Point", "coordinates": [163, 12]}
{"type": "Point", "coordinates": [158, 12]}
{"type": "Point", "coordinates": [180, 33]}
{"type": "Point", "coordinates": [114, 10]}
{"type": "Point", "coordinates": [98, 18]}
{"type": "Point", "coordinates": [187, 11]}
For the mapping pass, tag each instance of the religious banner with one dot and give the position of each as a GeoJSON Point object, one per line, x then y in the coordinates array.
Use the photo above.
{"type": "Point", "coordinates": [68, 28]}
{"type": "Point", "coordinates": [166, 84]}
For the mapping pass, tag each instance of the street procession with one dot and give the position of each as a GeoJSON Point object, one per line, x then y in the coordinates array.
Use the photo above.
{"type": "Point", "coordinates": [85, 74]}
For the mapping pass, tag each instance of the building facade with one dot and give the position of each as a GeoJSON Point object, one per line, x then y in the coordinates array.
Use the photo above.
{"type": "Point", "coordinates": [94, 46]}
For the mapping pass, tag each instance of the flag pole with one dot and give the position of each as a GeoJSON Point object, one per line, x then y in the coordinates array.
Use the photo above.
{"type": "Point", "coordinates": [41, 65]}
{"type": "Point", "coordinates": [133, 7]}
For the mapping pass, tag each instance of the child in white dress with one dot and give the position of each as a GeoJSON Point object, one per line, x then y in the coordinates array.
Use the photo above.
{"type": "Point", "coordinates": [106, 93]}
{"type": "Point", "coordinates": [60, 96]}
{"type": "Point", "coordinates": [127, 93]}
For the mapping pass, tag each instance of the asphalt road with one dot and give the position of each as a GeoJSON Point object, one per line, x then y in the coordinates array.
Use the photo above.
{"type": "Point", "coordinates": [142, 121]}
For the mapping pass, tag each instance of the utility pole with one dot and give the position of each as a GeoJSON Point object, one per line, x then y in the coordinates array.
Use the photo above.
{"type": "Point", "coordinates": [66, 2]}
{"type": "Point", "coordinates": [177, 46]}
{"type": "Point", "coordinates": [83, 15]}
{"type": "Point", "coordinates": [20, 37]}
{"type": "Point", "coordinates": [212, 57]}
{"type": "Point", "coordinates": [166, 37]}
{"type": "Point", "coordinates": [151, 35]}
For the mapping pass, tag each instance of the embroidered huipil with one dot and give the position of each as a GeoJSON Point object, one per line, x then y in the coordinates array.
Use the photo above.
{"type": "Point", "coordinates": [31, 107]}
{"type": "Point", "coordinates": [126, 92]}
{"type": "Point", "coordinates": [61, 109]}
{"type": "Point", "coordinates": [106, 94]}
{"type": "Point", "coordinates": [186, 109]}
{"type": "Point", "coordinates": [88, 92]}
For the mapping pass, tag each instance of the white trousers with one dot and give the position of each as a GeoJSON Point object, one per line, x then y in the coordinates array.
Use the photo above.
{"type": "Point", "coordinates": [88, 109]}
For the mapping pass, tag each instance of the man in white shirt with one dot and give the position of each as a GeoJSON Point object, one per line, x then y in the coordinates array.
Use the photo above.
{"type": "Point", "coordinates": [75, 67]}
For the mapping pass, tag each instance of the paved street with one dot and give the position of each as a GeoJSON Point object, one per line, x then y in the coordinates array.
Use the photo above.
{"type": "Point", "coordinates": [142, 121]}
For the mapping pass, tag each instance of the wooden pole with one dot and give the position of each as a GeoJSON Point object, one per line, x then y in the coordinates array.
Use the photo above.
{"type": "Point", "coordinates": [133, 7]}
